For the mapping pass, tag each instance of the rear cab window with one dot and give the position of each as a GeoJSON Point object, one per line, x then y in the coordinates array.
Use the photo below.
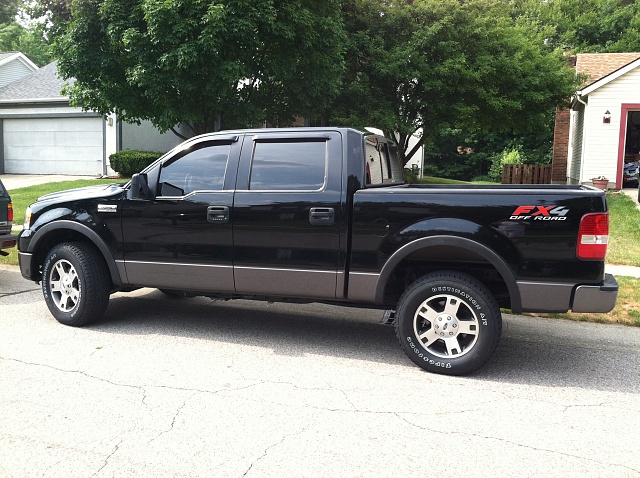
{"type": "Point", "coordinates": [382, 162]}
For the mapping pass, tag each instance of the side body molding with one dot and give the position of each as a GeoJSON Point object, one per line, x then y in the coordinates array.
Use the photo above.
{"type": "Point", "coordinates": [452, 241]}
{"type": "Point", "coordinates": [90, 234]}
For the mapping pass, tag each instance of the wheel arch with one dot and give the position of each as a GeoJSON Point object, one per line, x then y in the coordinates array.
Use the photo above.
{"type": "Point", "coordinates": [458, 248]}
{"type": "Point", "coordinates": [68, 231]}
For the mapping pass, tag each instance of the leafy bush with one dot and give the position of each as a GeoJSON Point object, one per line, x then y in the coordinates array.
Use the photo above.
{"type": "Point", "coordinates": [410, 176]}
{"type": "Point", "coordinates": [131, 161]}
{"type": "Point", "coordinates": [508, 156]}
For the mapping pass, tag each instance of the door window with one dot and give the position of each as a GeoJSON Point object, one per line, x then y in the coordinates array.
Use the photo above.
{"type": "Point", "coordinates": [201, 168]}
{"type": "Point", "coordinates": [288, 166]}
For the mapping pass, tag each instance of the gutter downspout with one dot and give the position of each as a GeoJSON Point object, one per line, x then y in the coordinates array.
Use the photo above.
{"type": "Point", "coordinates": [583, 146]}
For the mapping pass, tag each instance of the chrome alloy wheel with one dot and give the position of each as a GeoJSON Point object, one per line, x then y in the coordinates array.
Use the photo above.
{"type": "Point", "coordinates": [446, 326]}
{"type": "Point", "coordinates": [64, 285]}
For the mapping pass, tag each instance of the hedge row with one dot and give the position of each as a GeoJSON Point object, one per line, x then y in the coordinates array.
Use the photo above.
{"type": "Point", "coordinates": [131, 161]}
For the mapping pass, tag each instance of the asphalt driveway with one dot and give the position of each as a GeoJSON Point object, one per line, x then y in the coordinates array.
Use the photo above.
{"type": "Point", "coordinates": [192, 387]}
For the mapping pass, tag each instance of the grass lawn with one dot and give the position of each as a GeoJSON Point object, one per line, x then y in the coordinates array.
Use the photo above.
{"type": "Point", "coordinates": [624, 245]}
{"type": "Point", "coordinates": [22, 197]}
{"type": "Point", "coordinates": [624, 230]}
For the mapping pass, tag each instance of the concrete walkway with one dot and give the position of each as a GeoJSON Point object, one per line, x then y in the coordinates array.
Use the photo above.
{"type": "Point", "coordinates": [16, 181]}
{"type": "Point", "coordinates": [633, 194]}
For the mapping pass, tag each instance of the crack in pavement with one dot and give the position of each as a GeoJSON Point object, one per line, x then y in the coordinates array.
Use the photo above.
{"type": "Point", "coordinates": [106, 460]}
{"type": "Point", "coordinates": [175, 417]}
{"type": "Point", "coordinates": [142, 388]}
{"type": "Point", "coordinates": [11, 294]}
{"type": "Point", "coordinates": [511, 442]}
{"type": "Point", "coordinates": [270, 447]}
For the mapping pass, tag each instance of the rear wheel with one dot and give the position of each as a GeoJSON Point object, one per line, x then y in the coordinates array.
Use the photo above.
{"type": "Point", "coordinates": [75, 283]}
{"type": "Point", "coordinates": [448, 323]}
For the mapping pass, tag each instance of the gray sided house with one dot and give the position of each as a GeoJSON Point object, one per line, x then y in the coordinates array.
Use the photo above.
{"type": "Point", "coordinates": [40, 133]}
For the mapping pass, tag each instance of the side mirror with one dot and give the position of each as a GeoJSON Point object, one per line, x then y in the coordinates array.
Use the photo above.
{"type": "Point", "coordinates": [140, 187]}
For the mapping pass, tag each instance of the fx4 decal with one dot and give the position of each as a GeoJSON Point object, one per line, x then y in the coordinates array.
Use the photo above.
{"type": "Point", "coordinates": [540, 213]}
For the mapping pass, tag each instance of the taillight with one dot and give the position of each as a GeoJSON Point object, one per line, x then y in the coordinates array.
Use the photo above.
{"type": "Point", "coordinates": [10, 213]}
{"type": "Point", "coordinates": [593, 237]}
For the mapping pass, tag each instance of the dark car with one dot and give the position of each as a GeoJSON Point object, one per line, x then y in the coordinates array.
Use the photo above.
{"type": "Point", "coordinates": [7, 240]}
{"type": "Point", "coordinates": [630, 174]}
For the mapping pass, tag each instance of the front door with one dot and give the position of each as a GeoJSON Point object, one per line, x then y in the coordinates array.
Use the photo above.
{"type": "Point", "coordinates": [182, 239]}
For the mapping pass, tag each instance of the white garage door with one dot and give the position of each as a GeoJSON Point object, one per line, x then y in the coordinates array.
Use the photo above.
{"type": "Point", "coordinates": [53, 146]}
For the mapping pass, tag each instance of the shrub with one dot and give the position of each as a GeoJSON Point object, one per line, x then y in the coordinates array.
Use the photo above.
{"type": "Point", "coordinates": [131, 161]}
{"type": "Point", "coordinates": [410, 176]}
{"type": "Point", "coordinates": [508, 156]}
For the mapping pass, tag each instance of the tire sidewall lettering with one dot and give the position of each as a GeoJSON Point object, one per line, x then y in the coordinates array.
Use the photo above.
{"type": "Point", "coordinates": [436, 362]}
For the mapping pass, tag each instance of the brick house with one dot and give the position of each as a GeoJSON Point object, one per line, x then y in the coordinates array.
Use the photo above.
{"type": "Point", "coordinates": [601, 129]}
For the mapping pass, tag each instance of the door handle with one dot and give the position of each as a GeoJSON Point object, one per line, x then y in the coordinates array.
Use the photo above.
{"type": "Point", "coordinates": [322, 216]}
{"type": "Point", "coordinates": [218, 214]}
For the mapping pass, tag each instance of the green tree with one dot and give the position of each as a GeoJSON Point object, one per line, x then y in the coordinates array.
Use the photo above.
{"type": "Point", "coordinates": [53, 15]}
{"type": "Point", "coordinates": [239, 62]}
{"type": "Point", "coordinates": [581, 26]}
{"type": "Point", "coordinates": [14, 37]}
{"type": "Point", "coordinates": [435, 64]}
{"type": "Point", "coordinates": [9, 10]}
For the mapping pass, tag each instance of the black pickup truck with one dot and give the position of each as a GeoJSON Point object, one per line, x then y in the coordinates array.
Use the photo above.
{"type": "Point", "coordinates": [7, 240]}
{"type": "Point", "coordinates": [322, 215]}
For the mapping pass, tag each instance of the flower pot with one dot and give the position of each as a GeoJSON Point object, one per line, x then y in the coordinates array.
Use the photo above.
{"type": "Point", "coordinates": [601, 183]}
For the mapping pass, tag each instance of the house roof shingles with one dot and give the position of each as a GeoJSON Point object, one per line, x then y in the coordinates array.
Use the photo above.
{"type": "Point", "coordinates": [43, 84]}
{"type": "Point", "coordinates": [598, 65]}
{"type": "Point", "coordinates": [7, 54]}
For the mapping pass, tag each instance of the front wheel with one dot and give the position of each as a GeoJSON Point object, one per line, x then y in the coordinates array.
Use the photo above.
{"type": "Point", "coordinates": [75, 283]}
{"type": "Point", "coordinates": [448, 323]}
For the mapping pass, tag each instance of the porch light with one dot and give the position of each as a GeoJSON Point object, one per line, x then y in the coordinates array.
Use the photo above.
{"type": "Point", "coordinates": [607, 117]}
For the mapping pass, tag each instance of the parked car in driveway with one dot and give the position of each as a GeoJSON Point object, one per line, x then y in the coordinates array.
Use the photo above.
{"type": "Point", "coordinates": [630, 173]}
{"type": "Point", "coordinates": [7, 240]}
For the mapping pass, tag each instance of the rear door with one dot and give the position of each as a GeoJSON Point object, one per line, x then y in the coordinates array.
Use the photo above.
{"type": "Point", "coordinates": [287, 215]}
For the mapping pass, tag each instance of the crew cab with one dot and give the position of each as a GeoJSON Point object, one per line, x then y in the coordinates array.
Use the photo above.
{"type": "Point", "coordinates": [322, 215]}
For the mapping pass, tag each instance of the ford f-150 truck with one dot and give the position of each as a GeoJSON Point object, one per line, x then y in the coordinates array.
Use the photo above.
{"type": "Point", "coordinates": [322, 215]}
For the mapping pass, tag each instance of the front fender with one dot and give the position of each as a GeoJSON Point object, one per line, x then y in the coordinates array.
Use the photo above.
{"type": "Point", "coordinates": [30, 241]}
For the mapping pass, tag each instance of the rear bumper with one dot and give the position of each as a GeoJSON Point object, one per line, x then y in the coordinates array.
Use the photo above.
{"type": "Point", "coordinates": [600, 298]}
{"type": "Point", "coordinates": [7, 241]}
{"type": "Point", "coordinates": [560, 297]}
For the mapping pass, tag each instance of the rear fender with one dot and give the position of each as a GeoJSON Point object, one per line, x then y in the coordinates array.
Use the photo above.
{"type": "Point", "coordinates": [450, 241]}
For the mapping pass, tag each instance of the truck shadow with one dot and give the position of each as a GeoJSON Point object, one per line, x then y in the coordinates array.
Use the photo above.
{"type": "Point", "coordinates": [287, 329]}
{"type": "Point", "coordinates": [528, 353]}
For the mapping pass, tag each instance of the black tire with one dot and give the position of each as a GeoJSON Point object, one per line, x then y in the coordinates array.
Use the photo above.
{"type": "Point", "coordinates": [448, 323]}
{"type": "Point", "coordinates": [75, 283]}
